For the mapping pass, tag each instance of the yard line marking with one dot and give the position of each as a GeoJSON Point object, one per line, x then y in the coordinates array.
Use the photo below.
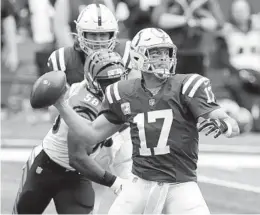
{"type": "Point", "coordinates": [229, 162]}
{"type": "Point", "coordinates": [15, 155]}
{"type": "Point", "coordinates": [229, 184]}
{"type": "Point", "coordinates": [229, 148]}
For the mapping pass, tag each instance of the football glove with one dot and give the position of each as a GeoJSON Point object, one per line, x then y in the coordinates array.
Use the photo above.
{"type": "Point", "coordinates": [218, 126]}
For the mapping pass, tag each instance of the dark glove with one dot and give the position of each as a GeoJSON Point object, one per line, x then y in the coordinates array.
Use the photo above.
{"type": "Point", "coordinates": [213, 125]}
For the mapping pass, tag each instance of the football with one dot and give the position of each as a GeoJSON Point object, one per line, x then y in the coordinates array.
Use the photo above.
{"type": "Point", "coordinates": [47, 89]}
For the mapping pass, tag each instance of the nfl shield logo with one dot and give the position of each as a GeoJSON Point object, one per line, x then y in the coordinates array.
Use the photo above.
{"type": "Point", "coordinates": [151, 102]}
{"type": "Point", "coordinates": [125, 107]}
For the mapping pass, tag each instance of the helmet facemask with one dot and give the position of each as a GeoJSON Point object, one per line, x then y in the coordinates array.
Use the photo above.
{"type": "Point", "coordinates": [95, 21]}
{"type": "Point", "coordinates": [88, 43]}
{"type": "Point", "coordinates": [161, 61]}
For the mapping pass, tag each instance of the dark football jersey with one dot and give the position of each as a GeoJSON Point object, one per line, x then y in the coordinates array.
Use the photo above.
{"type": "Point", "coordinates": [71, 61]}
{"type": "Point", "coordinates": [163, 127]}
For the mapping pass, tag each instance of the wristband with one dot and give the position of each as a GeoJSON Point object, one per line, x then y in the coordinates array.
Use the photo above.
{"type": "Point", "coordinates": [108, 179]}
{"type": "Point", "coordinates": [229, 128]}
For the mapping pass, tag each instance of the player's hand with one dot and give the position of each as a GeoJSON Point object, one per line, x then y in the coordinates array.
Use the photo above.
{"type": "Point", "coordinates": [216, 126]}
{"type": "Point", "coordinates": [63, 99]}
{"type": "Point", "coordinates": [66, 95]}
{"type": "Point", "coordinates": [117, 187]}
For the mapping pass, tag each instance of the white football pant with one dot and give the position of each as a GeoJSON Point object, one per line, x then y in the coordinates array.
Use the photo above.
{"type": "Point", "coordinates": [146, 197]}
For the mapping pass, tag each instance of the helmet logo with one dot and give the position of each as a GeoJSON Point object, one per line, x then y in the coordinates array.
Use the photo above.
{"type": "Point", "coordinates": [114, 72]}
{"type": "Point", "coordinates": [159, 33]}
{"type": "Point", "coordinates": [125, 107]}
{"type": "Point", "coordinates": [99, 14]}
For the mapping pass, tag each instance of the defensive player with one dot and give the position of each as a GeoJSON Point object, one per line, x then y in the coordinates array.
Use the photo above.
{"type": "Point", "coordinates": [52, 171]}
{"type": "Point", "coordinates": [96, 28]}
{"type": "Point", "coordinates": [163, 109]}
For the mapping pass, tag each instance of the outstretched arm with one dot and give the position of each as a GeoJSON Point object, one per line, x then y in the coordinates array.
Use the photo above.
{"type": "Point", "coordinates": [90, 132]}
{"type": "Point", "coordinates": [219, 120]}
{"type": "Point", "coordinates": [80, 160]}
{"type": "Point", "coordinates": [202, 103]}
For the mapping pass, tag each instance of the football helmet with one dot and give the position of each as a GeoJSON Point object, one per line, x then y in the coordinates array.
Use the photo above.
{"type": "Point", "coordinates": [101, 69]}
{"type": "Point", "coordinates": [153, 51]}
{"type": "Point", "coordinates": [96, 18]}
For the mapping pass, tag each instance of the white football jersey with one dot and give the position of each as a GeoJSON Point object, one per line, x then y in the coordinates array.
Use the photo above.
{"type": "Point", "coordinates": [56, 146]}
{"type": "Point", "coordinates": [55, 142]}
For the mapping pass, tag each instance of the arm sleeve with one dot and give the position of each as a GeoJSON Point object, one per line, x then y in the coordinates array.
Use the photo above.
{"type": "Point", "coordinates": [111, 108]}
{"type": "Point", "coordinates": [199, 96]}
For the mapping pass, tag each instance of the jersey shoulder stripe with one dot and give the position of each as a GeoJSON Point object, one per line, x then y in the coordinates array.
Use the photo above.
{"type": "Point", "coordinates": [188, 83]}
{"type": "Point", "coordinates": [112, 93]}
{"type": "Point", "coordinates": [56, 60]}
{"type": "Point", "coordinates": [120, 90]}
{"type": "Point", "coordinates": [192, 84]}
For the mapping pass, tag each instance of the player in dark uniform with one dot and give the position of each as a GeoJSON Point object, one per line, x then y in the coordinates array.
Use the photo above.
{"type": "Point", "coordinates": [97, 28]}
{"type": "Point", "coordinates": [60, 167]}
{"type": "Point", "coordinates": [163, 109]}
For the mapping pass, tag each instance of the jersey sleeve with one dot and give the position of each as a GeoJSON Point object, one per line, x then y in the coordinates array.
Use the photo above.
{"type": "Point", "coordinates": [111, 107]}
{"type": "Point", "coordinates": [85, 112]}
{"type": "Point", "coordinates": [57, 61]}
{"type": "Point", "coordinates": [198, 95]}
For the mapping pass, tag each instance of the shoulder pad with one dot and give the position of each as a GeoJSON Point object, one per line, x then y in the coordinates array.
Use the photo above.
{"type": "Point", "coordinates": [56, 60]}
{"type": "Point", "coordinates": [72, 58]}
{"type": "Point", "coordinates": [63, 59]}
{"type": "Point", "coordinates": [119, 90]}
{"type": "Point", "coordinates": [191, 84]}
{"type": "Point", "coordinates": [84, 99]}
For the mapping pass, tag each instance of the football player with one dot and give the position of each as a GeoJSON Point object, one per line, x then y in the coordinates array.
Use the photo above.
{"type": "Point", "coordinates": [97, 28]}
{"type": "Point", "coordinates": [60, 167]}
{"type": "Point", "coordinates": [163, 109]}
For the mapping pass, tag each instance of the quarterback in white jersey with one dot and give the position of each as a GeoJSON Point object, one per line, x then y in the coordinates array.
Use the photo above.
{"type": "Point", "coordinates": [60, 168]}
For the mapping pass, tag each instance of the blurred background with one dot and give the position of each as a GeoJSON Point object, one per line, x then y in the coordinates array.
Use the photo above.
{"type": "Point", "coordinates": [221, 41]}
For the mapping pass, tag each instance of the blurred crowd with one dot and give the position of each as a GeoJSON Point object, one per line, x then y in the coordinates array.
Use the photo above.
{"type": "Point", "coordinates": [219, 39]}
